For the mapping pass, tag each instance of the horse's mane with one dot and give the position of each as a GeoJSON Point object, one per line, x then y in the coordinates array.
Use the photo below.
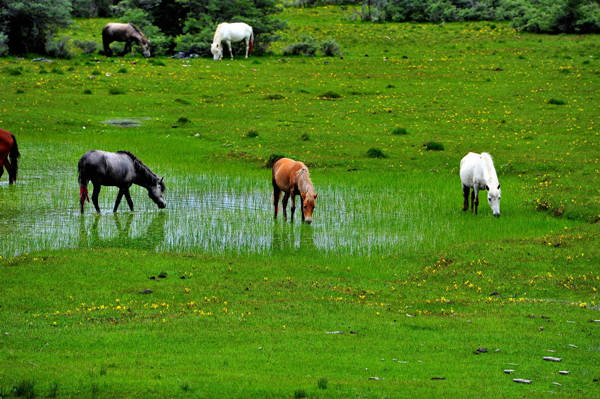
{"type": "Point", "coordinates": [140, 166]}
{"type": "Point", "coordinates": [304, 182]}
{"type": "Point", "coordinates": [137, 30]}
{"type": "Point", "coordinates": [489, 165]}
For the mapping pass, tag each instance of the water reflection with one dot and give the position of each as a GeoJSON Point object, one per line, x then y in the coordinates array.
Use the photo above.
{"type": "Point", "coordinates": [289, 237]}
{"type": "Point", "coordinates": [91, 235]}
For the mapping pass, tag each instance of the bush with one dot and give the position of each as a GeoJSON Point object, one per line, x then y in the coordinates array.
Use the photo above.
{"type": "Point", "coordinates": [399, 131]}
{"type": "Point", "coordinates": [3, 44]}
{"type": "Point", "coordinates": [59, 48]}
{"type": "Point", "coordinates": [330, 48]}
{"type": "Point", "coordinates": [555, 101]}
{"type": "Point", "coordinates": [434, 146]}
{"type": "Point", "coordinates": [330, 95]}
{"type": "Point", "coordinates": [375, 153]}
{"type": "Point", "coordinates": [30, 25]}
{"type": "Point", "coordinates": [251, 134]}
{"type": "Point", "coordinates": [87, 46]}
{"type": "Point", "coordinates": [307, 47]}
{"type": "Point", "coordinates": [115, 91]}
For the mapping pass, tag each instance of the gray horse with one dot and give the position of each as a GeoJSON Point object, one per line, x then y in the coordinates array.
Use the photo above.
{"type": "Point", "coordinates": [121, 169]}
{"type": "Point", "coordinates": [128, 33]}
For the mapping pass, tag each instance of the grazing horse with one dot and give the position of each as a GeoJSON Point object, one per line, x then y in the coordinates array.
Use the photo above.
{"type": "Point", "coordinates": [293, 179]}
{"type": "Point", "coordinates": [9, 150]}
{"type": "Point", "coordinates": [235, 32]}
{"type": "Point", "coordinates": [477, 172]}
{"type": "Point", "coordinates": [128, 33]}
{"type": "Point", "coordinates": [121, 169]}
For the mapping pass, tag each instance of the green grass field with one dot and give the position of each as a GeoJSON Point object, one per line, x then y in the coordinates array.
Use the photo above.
{"type": "Point", "coordinates": [390, 288]}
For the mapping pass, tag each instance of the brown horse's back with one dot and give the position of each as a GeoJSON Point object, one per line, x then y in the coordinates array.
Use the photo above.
{"type": "Point", "coordinates": [284, 173]}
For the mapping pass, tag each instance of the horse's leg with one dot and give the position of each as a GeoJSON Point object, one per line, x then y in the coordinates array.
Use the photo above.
{"type": "Point", "coordinates": [8, 169]}
{"type": "Point", "coordinates": [293, 196]}
{"type": "Point", "coordinates": [466, 190]}
{"type": "Point", "coordinates": [118, 201]}
{"type": "Point", "coordinates": [95, 195]}
{"type": "Point", "coordinates": [128, 198]}
{"type": "Point", "coordinates": [476, 195]}
{"type": "Point", "coordinates": [276, 195]}
{"type": "Point", "coordinates": [106, 44]}
{"type": "Point", "coordinates": [127, 48]}
{"type": "Point", "coordinates": [302, 207]}
{"type": "Point", "coordinates": [1, 169]}
{"type": "Point", "coordinates": [286, 196]}
{"type": "Point", "coordinates": [229, 46]}
{"type": "Point", "coordinates": [247, 46]}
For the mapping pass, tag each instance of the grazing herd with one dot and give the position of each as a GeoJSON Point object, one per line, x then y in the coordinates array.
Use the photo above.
{"type": "Point", "coordinates": [123, 169]}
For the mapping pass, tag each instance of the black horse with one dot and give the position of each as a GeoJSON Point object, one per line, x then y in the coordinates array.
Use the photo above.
{"type": "Point", "coordinates": [128, 33]}
{"type": "Point", "coordinates": [121, 169]}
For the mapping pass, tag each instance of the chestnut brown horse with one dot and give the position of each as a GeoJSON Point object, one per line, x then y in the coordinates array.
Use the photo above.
{"type": "Point", "coordinates": [9, 150]}
{"type": "Point", "coordinates": [292, 177]}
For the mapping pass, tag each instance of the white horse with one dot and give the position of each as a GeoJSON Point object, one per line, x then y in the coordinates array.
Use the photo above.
{"type": "Point", "coordinates": [477, 172]}
{"type": "Point", "coordinates": [235, 32]}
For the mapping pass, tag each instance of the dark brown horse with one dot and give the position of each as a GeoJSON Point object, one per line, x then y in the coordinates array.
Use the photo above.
{"type": "Point", "coordinates": [128, 33]}
{"type": "Point", "coordinates": [292, 177]}
{"type": "Point", "coordinates": [9, 150]}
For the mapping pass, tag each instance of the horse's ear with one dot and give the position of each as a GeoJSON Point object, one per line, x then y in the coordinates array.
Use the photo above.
{"type": "Point", "coordinates": [316, 195]}
{"type": "Point", "coordinates": [161, 179]}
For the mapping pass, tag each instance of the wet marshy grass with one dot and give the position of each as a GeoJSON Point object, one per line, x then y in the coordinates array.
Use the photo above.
{"type": "Point", "coordinates": [234, 214]}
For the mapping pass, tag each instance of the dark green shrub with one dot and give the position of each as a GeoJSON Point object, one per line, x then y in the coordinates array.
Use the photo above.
{"type": "Point", "coordinates": [322, 383]}
{"type": "Point", "coordinates": [59, 48]}
{"type": "Point", "coordinates": [122, 70]}
{"type": "Point", "coordinates": [330, 95]}
{"type": "Point", "coordinates": [299, 394]}
{"type": "Point", "coordinates": [251, 134]}
{"type": "Point", "coordinates": [274, 97]}
{"type": "Point", "coordinates": [556, 101]}
{"type": "Point", "coordinates": [116, 91]}
{"type": "Point", "coordinates": [330, 48]}
{"type": "Point", "coordinates": [399, 131]}
{"type": "Point", "coordinates": [183, 120]}
{"type": "Point", "coordinates": [272, 159]}
{"type": "Point", "coordinates": [307, 47]}
{"type": "Point", "coordinates": [375, 153]}
{"type": "Point", "coordinates": [87, 46]}
{"type": "Point", "coordinates": [24, 389]}
{"type": "Point", "coordinates": [304, 137]}
{"type": "Point", "coordinates": [434, 146]}
{"type": "Point", "coordinates": [182, 101]}
{"type": "Point", "coordinates": [87, 91]}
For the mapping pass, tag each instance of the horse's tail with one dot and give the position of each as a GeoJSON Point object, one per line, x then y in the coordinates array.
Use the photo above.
{"type": "Point", "coordinates": [251, 42]}
{"type": "Point", "coordinates": [13, 155]}
{"type": "Point", "coordinates": [83, 182]}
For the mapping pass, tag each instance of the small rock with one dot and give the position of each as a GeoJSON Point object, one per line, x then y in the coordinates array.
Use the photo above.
{"type": "Point", "coordinates": [541, 328]}
{"type": "Point", "coordinates": [508, 371]}
{"type": "Point", "coordinates": [573, 346]}
{"type": "Point", "coordinates": [182, 277]}
{"type": "Point", "coordinates": [557, 383]}
{"type": "Point", "coordinates": [546, 317]}
{"type": "Point", "coordinates": [162, 275]}
{"type": "Point", "coordinates": [480, 350]}
{"type": "Point", "coordinates": [594, 321]}
{"type": "Point", "coordinates": [152, 278]}
{"type": "Point", "coordinates": [522, 381]}
{"type": "Point", "coordinates": [564, 372]}
{"type": "Point", "coordinates": [530, 316]}
{"type": "Point", "coordinates": [334, 332]}
{"type": "Point", "coordinates": [553, 359]}
{"type": "Point", "coordinates": [438, 378]}
{"type": "Point", "coordinates": [495, 293]}
{"type": "Point", "coordinates": [376, 378]}
{"type": "Point", "coordinates": [146, 291]}
{"type": "Point", "coordinates": [571, 321]}
{"type": "Point", "coordinates": [353, 332]}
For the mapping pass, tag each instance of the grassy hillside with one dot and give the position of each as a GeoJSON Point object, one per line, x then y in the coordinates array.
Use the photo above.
{"type": "Point", "coordinates": [391, 287]}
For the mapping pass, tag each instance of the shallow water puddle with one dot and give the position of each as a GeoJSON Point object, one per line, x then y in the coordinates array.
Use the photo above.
{"type": "Point", "coordinates": [204, 214]}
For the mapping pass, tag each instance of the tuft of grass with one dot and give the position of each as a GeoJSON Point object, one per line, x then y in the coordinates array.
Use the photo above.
{"type": "Point", "coordinates": [53, 391]}
{"type": "Point", "coordinates": [20, 91]}
{"type": "Point", "coordinates": [330, 95]}
{"type": "Point", "coordinates": [156, 62]}
{"type": "Point", "coordinates": [251, 134]}
{"type": "Point", "coordinates": [322, 383]}
{"type": "Point", "coordinates": [87, 91]}
{"type": "Point", "coordinates": [399, 131]}
{"type": "Point", "coordinates": [299, 393]}
{"type": "Point", "coordinates": [116, 91]}
{"type": "Point", "coordinates": [122, 70]}
{"type": "Point", "coordinates": [24, 389]}
{"type": "Point", "coordinates": [304, 137]}
{"type": "Point", "coordinates": [185, 387]}
{"type": "Point", "coordinates": [13, 71]}
{"type": "Point", "coordinates": [96, 72]}
{"type": "Point", "coordinates": [182, 101]}
{"type": "Point", "coordinates": [434, 146]}
{"type": "Point", "coordinates": [274, 97]}
{"type": "Point", "coordinates": [375, 153]}
{"type": "Point", "coordinates": [183, 120]}
{"type": "Point", "coordinates": [272, 159]}
{"type": "Point", "coordinates": [556, 101]}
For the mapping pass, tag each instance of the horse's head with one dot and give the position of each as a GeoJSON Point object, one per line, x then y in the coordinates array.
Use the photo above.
{"type": "Point", "coordinates": [156, 191]}
{"type": "Point", "coordinates": [308, 206]}
{"type": "Point", "coordinates": [493, 196]}
{"type": "Point", "coordinates": [145, 47]}
{"type": "Point", "coordinates": [217, 51]}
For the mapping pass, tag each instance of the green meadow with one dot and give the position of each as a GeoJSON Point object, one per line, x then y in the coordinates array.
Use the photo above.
{"type": "Point", "coordinates": [393, 291]}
